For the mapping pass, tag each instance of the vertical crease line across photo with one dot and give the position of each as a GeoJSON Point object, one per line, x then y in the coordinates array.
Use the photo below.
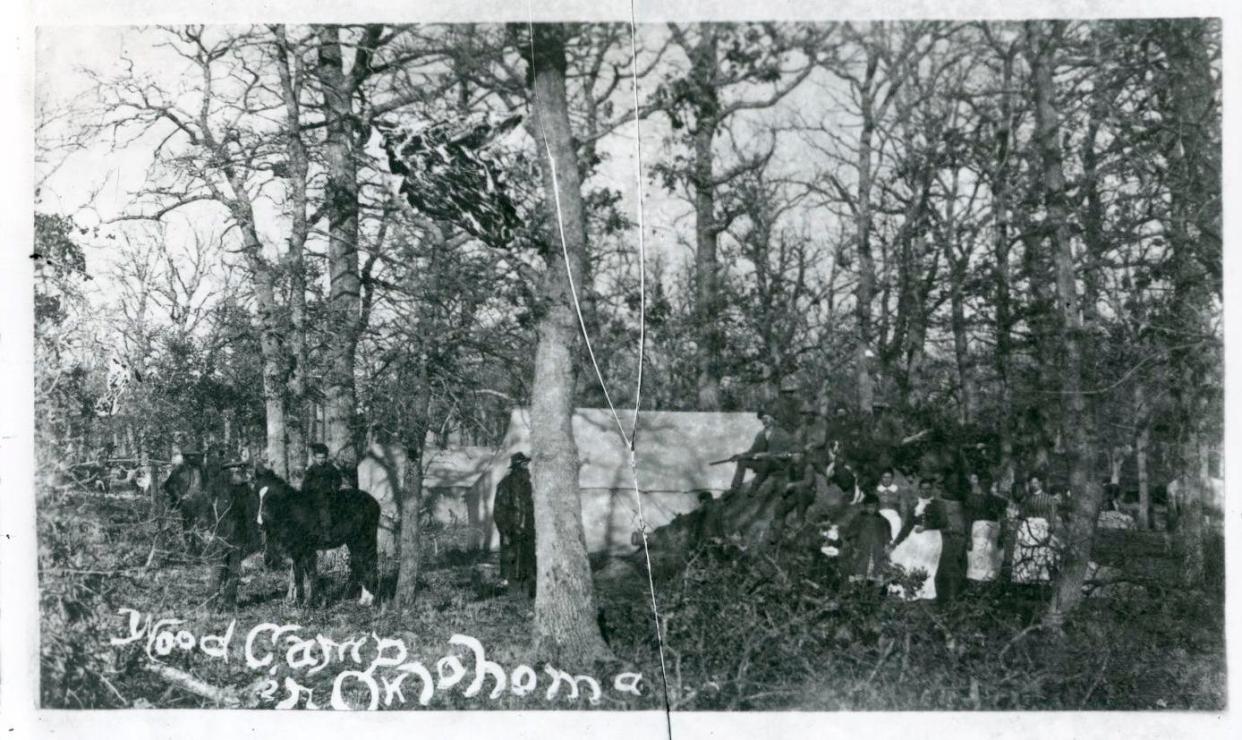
{"type": "Point", "coordinates": [628, 439]}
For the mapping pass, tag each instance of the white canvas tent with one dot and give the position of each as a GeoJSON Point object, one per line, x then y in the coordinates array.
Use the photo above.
{"type": "Point", "coordinates": [448, 478]}
{"type": "Point", "coordinates": [673, 452]}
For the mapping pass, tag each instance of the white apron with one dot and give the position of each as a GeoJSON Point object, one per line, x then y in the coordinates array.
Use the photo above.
{"type": "Point", "coordinates": [919, 551]}
{"type": "Point", "coordinates": [892, 515]}
{"type": "Point", "coordinates": [894, 521]}
{"type": "Point", "coordinates": [1033, 553]}
{"type": "Point", "coordinates": [984, 559]}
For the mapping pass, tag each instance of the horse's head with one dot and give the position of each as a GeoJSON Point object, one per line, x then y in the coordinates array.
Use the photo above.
{"type": "Point", "coordinates": [271, 489]}
{"type": "Point", "coordinates": [185, 488]}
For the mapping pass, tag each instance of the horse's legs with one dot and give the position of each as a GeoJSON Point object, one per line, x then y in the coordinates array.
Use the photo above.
{"type": "Point", "coordinates": [227, 572]}
{"type": "Point", "coordinates": [364, 568]}
{"type": "Point", "coordinates": [310, 571]}
{"type": "Point", "coordinates": [296, 575]}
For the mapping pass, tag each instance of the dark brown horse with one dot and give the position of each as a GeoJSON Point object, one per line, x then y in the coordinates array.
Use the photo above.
{"type": "Point", "coordinates": [290, 518]}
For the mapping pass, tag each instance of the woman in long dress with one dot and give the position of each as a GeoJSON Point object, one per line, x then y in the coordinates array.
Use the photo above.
{"type": "Point", "coordinates": [1035, 551]}
{"type": "Point", "coordinates": [918, 546]}
{"type": "Point", "coordinates": [987, 511]}
{"type": "Point", "coordinates": [890, 502]}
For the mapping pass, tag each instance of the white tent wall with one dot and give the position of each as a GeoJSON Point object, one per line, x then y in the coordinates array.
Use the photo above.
{"type": "Point", "coordinates": [673, 452]}
{"type": "Point", "coordinates": [448, 477]}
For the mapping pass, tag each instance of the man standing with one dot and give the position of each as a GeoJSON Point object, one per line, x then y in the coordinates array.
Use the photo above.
{"type": "Point", "coordinates": [514, 514]}
{"type": "Point", "coordinates": [235, 511]}
{"type": "Point", "coordinates": [951, 572]}
{"type": "Point", "coordinates": [788, 407]}
{"type": "Point", "coordinates": [323, 479]}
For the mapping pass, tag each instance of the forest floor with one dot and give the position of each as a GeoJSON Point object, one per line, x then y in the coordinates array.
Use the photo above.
{"type": "Point", "coordinates": [741, 633]}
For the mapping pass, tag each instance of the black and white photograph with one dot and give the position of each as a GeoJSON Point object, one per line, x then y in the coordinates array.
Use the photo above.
{"type": "Point", "coordinates": [522, 362]}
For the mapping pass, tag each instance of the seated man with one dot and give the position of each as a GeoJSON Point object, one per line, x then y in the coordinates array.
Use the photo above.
{"type": "Point", "coordinates": [762, 457]}
{"type": "Point", "coordinates": [796, 493]}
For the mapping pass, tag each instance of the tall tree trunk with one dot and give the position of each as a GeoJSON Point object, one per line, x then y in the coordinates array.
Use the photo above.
{"type": "Point", "coordinates": [1194, 228]}
{"type": "Point", "coordinates": [864, 290]}
{"type": "Point", "coordinates": [275, 364]}
{"type": "Point", "coordinates": [345, 288]}
{"type": "Point", "coordinates": [706, 230]}
{"type": "Point", "coordinates": [410, 542]}
{"type": "Point", "coordinates": [414, 440]}
{"type": "Point", "coordinates": [1042, 39]}
{"type": "Point", "coordinates": [1144, 489]}
{"type": "Point", "coordinates": [1190, 511]}
{"type": "Point", "coordinates": [958, 263]}
{"type": "Point", "coordinates": [1000, 256]}
{"type": "Point", "coordinates": [298, 170]}
{"type": "Point", "coordinates": [565, 621]}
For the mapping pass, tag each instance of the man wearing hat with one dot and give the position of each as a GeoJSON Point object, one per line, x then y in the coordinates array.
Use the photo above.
{"type": "Point", "coordinates": [514, 514]}
{"type": "Point", "coordinates": [769, 439]}
{"type": "Point", "coordinates": [788, 407]}
{"type": "Point", "coordinates": [322, 480]}
{"type": "Point", "coordinates": [236, 530]}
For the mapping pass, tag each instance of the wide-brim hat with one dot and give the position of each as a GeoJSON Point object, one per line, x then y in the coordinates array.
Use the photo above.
{"type": "Point", "coordinates": [319, 448]}
{"type": "Point", "coordinates": [234, 464]}
{"type": "Point", "coordinates": [518, 458]}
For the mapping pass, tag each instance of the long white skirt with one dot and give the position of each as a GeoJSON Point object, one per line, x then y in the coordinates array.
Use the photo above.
{"type": "Point", "coordinates": [984, 559]}
{"type": "Point", "coordinates": [1034, 553]}
{"type": "Point", "coordinates": [919, 551]}
{"type": "Point", "coordinates": [894, 521]}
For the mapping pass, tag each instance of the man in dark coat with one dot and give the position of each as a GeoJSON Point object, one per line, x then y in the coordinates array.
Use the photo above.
{"type": "Point", "coordinates": [866, 537]}
{"type": "Point", "coordinates": [235, 511]}
{"type": "Point", "coordinates": [514, 514]}
{"type": "Point", "coordinates": [951, 572]}
{"type": "Point", "coordinates": [323, 479]}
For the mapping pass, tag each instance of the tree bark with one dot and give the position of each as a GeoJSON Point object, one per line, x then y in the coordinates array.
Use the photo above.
{"type": "Point", "coordinates": [410, 542]}
{"type": "Point", "coordinates": [565, 627]}
{"type": "Point", "coordinates": [706, 230]}
{"type": "Point", "coordinates": [958, 264]}
{"type": "Point", "coordinates": [864, 290]}
{"type": "Point", "coordinates": [345, 287]}
{"type": "Point", "coordinates": [298, 169]}
{"type": "Point", "coordinates": [1190, 514]}
{"type": "Point", "coordinates": [270, 344]}
{"type": "Point", "coordinates": [1194, 218]}
{"type": "Point", "coordinates": [1144, 488]}
{"type": "Point", "coordinates": [1076, 422]}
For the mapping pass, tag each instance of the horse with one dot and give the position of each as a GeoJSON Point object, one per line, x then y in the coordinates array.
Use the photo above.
{"type": "Point", "coordinates": [186, 493]}
{"type": "Point", "coordinates": [219, 509]}
{"type": "Point", "coordinates": [290, 518]}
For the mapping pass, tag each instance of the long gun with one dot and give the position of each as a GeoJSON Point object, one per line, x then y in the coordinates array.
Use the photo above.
{"type": "Point", "coordinates": [756, 456]}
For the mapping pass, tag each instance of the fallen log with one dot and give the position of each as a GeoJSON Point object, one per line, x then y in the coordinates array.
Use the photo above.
{"type": "Point", "coordinates": [223, 696]}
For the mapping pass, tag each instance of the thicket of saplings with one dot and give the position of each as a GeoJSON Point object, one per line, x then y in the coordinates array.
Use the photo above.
{"type": "Point", "coordinates": [742, 631]}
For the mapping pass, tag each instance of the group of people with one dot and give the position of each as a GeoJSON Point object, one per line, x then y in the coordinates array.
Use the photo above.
{"type": "Point", "coordinates": [955, 531]}
{"type": "Point", "coordinates": [956, 534]}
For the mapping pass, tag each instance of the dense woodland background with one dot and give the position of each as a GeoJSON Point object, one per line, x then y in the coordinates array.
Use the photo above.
{"type": "Point", "coordinates": [1009, 231]}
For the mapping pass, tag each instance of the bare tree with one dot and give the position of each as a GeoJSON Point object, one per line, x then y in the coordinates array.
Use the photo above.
{"type": "Point", "coordinates": [565, 626]}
